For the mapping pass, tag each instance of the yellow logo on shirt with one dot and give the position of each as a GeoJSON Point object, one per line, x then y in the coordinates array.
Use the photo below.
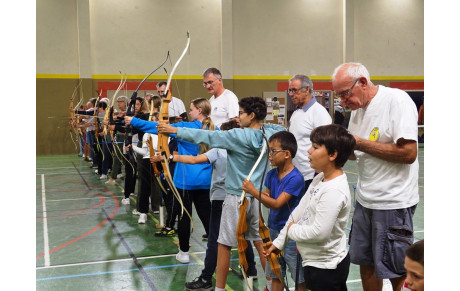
{"type": "Point", "coordinates": [374, 136]}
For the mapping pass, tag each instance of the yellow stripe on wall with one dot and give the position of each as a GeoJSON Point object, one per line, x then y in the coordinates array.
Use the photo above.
{"type": "Point", "coordinates": [199, 77]}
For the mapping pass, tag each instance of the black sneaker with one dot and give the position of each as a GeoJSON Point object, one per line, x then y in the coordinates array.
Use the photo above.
{"type": "Point", "coordinates": [199, 284]}
{"type": "Point", "coordinates": [204, 236]}
{"type": "Point", "coordinates": [166, 232]}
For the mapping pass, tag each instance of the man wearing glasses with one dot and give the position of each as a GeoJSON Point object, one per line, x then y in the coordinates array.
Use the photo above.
{"type": "Point", "coordinates": [176, 107]}
{"type": "Point", "coordinates": [224, 103]}
{"type": "Point", "coordinates": [308, 115]}
{"type": "Point", "coordinates": [384, 124]}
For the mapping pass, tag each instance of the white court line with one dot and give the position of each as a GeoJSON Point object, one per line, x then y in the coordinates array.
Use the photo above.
{"type": "Point", "coordinates": [110, 261]}
{"type": "Point", "coordinates": [45, 225]}
{"type": "Point", "coordinates": [119, 260]}
{"type": "Point", "coordinates": [66, 173]}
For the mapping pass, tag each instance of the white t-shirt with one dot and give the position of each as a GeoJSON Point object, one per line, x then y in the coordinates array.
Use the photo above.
{"type": "Point", "coordinates": [144, 151]}
{"type": "Point", "coordinates": [389, 116]}
{"type": "Point", "coordinates": [224, 107]}
{"type": "Point", "coordinates": [320, 221]}
{"type": "Point", "coordinates": [302, 123]}
{"type": "Point", "coordinates": [176, 107]}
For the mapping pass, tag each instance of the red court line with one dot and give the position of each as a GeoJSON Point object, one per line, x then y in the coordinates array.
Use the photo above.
{"type": "Point", "coordinates": [77, 211]}
{"type": "Point", "coordinates": [117, 204]}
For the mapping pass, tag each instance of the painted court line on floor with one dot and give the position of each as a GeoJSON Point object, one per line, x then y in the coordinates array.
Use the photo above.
{"type": "Point", "coordinates": [45, 224]}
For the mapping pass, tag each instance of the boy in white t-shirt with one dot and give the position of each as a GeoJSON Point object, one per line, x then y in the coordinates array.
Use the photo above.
{"type": "Point", "coordinates": [318, 222]}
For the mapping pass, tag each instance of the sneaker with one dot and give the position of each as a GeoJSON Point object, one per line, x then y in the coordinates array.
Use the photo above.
{"type": "Point", "coordinates": [96, 172]}
{"type": "Point", "coordinates": [198, 284]}
{"type": "Point", "coordinates": [119, 176]}
{"type": "Point", "coordinates": [110, 182]}
{"type": "Point", "coordinates": [109, 171]}
{"type": "Point", "coordinates": [142, 218]}
{"type": "Point", "coordinates": [166, 232]}
{"type": "Point", "coordinates": [204, 236]}
{"type": "Point", "coordinates": [183, 257]}
{"type": "Point", "coordinates": [125, 201]}
{"type": "Point", "coordinates": [132, 194]}
{"type": "Point", "coordinates": [93, 167]}
{"type": "Point", "coordinates": [103, 177]}
{"type": "Point", "coordinates": [135, 212]}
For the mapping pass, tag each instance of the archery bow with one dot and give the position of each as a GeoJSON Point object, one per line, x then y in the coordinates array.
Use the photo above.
{"type": "Point", "coordinates": [72, 117]}
{"type": "Point", "coordinates": [242, 223]}
{"type": "Point", "coordinates": [130, 112]}
{"type": "Point", "coordinates": [163, 137]}
{"type": "Point", "coordinates": [265, 232]}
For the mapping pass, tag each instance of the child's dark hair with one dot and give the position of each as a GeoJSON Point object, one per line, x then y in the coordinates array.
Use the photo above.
{"type": "Point", "coordinates": [231, 124]}
{"type": "Point", "coordinates": [336, 139]}
{"type": "Point", "coordinates": [415, 252]}
{"type": "Point", "coordinates": [287, 141]}
{"type": "Point", "coordinates": [254, 104]}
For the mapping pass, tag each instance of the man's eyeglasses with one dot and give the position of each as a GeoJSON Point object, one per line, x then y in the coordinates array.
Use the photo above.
{"type": "Point", "coordinates": [345, 94]}
{"type": "Point", "coordinates": [294, 90]}
{"type": "Point", "coordinates": [208, 83]}
{"type": "Point", "coordinates": [272, 152]}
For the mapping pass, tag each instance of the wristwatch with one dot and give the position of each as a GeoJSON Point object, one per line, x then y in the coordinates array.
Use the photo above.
{"type": "Point", "coordinates": [171, 157]}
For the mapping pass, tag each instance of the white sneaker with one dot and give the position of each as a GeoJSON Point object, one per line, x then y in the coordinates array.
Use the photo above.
{"type": "Point", "coordinates": [103, 177]}
{"type": "Point", "coordinates": [135, 212]}
{"type": "Point", "coordinates": [110, 182]}
{"type": "Point", "coordinates": [142, 218]}
{"type": "Point", "coordinates": [183, 257]}
{"type": "Point", "coordinates": [125, 201]}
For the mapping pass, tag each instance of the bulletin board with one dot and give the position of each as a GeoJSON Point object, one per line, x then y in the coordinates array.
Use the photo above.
{"type": "Point", "coordinates": [276, 110]}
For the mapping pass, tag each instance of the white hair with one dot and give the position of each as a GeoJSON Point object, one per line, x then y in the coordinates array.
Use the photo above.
{"type": "Point", "coordinates": [354, 71]}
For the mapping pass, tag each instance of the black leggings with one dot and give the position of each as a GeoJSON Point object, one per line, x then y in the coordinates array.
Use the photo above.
{"type": "Point", "coordinates": [202, 203]}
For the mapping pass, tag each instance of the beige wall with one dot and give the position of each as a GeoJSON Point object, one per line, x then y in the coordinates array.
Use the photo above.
{"type": "Point", "coordinates": [255, 43]}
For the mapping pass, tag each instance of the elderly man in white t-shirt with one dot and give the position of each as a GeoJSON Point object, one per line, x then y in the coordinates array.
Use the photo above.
{"type": "Point", "coordinates": [176, 107]}
{"type": "Point", "coordinates": [384, 124]}
{"type": "Point", "coordinates": [308, 115]}
{"type": "Point", "coordinates": [224, 103]}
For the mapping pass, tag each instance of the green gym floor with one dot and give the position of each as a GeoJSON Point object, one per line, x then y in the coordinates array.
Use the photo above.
{"type": "Point", "coordinates": [87, 240]}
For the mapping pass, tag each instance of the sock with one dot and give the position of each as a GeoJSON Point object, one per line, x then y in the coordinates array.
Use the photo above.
{"type": "Point", "coordinates": [269, 285]}
{"type": "Point", "coordinates": [219, 289]}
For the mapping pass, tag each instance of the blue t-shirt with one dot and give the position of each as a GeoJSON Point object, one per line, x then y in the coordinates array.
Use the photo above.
{"type": "Point", "coordinates": [293, 184]}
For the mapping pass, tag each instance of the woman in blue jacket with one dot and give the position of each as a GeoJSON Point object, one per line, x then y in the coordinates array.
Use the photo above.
{"type": "Point", "coordinates": [192, 181]}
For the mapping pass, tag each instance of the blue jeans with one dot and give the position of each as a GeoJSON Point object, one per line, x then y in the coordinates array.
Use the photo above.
{"type": "Point", "coordinates": [289, 258]}
{"type": "Point", "coordinates": [210, 261]}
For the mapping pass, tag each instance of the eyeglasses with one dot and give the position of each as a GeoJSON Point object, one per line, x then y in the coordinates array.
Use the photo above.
{"type": "Point", "coordinates": [345, 94]}
{"type": "Point", "coordinates": [272, 152]}
{"type": "Point", "coordinates": [294, 90]}
{"type": "Point", "coordinates": [241, 112]}
{"type": "Point", "coordinates": [208, 83]}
